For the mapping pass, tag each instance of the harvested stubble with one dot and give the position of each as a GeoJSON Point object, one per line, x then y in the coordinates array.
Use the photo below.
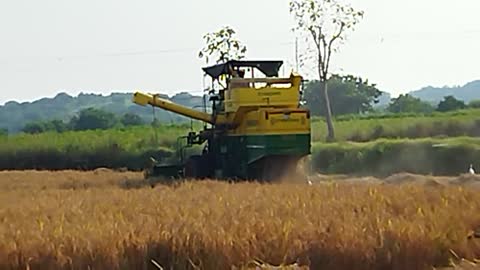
{"type": "Point", "coordinates": [47, 224]}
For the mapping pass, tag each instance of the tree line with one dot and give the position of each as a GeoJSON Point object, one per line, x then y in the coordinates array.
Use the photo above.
{"type": "Point", "coordinates": [407, 103]}
{"type": "Point", "coordinates": [354, 95]}
{"type": "Point", "coordinates": [86, 119]}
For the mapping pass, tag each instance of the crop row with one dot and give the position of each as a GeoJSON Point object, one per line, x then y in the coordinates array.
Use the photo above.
{"type": "Point", "coordinates": [212, 225]}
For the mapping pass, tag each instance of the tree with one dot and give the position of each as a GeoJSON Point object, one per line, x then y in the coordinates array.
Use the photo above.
{"type": "Point", "coordinates": [34, 127]}
{"type": "Point", "coordinates": [325, 24]}
{"type": "Point", "coordinates": [409, 104]}
{"type": "Point", "coordinates": [92, 118]}
{"type": "Point", "coordinates": [55, 125]}
{"type": "Point", "coordinates": [222, 46]}
{"type": "Point", "coordinates": [474, 104]}
{"type": "Point", "coordinates": [450, 103]}
{"type": "Point", "coordinates": [349, 95]}
{"type": "Point", "coordinates": [3, 132]}
{"type": "Point", "coordinates": [131, 119]}
{"type": "Point", "coordinates": [44, 126]}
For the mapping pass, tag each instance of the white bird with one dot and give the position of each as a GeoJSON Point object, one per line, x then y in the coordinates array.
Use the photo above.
{"type": "Point", "coordinates": [471, 170]}
{"type": "Point", "coordinates": [309, 182]}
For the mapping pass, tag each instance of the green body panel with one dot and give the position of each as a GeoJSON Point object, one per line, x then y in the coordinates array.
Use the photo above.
{"type": "Point", "coordinates": [244, 157]}
{"type": "Point", "coordinates": [265, 145]}
{"type": "Point", "coordinates": [239, 155]}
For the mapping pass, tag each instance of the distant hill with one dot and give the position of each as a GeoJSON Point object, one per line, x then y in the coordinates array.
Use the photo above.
{"type": "Point", "coordinates": [467, 93]}
{"type": "Point", "coordinates": [14, 115]}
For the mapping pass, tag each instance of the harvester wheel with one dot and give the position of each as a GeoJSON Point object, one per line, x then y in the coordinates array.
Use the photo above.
{"type": "Point", "coordinates": [193, 167]}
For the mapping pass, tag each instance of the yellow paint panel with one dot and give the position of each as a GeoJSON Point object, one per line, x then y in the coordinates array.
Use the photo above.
{"type": "Point", "coordinates": [275, 121]}
{"type": "Point", "coordinates": [285, 95]}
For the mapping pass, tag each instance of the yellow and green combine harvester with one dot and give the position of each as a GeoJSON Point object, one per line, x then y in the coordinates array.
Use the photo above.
{"type": "Point", "coordinates": [256, 130]}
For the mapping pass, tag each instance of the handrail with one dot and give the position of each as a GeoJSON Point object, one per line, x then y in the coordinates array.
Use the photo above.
{"type": "Point", "coordinates": [262, 80]}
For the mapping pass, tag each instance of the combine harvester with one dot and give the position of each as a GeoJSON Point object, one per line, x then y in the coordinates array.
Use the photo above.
{"type": "Point", "coordinates": [256, 129]}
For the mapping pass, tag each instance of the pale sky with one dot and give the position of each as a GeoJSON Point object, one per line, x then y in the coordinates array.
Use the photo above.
{"type": "Point", "coordinates": [100, 46]}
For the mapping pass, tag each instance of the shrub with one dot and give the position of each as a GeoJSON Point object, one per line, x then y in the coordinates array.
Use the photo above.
{"type": "Point", "coordinates": [385, 157]}
{"type": "Point", "coordinates": [88, 149]}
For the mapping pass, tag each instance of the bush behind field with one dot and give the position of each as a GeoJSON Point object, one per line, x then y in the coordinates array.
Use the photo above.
{"type": "Point", "coordinates": [389, 115]}
{"type": "Point", "coordinates": [386, 157]}
{"type": "Point", "coordinates": [371, 127]}
{"type": "Point", "coordinates": [89, 149]}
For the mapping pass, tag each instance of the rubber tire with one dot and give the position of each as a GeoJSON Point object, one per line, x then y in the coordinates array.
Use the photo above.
{"type": "Point", "coordinates": [193, 167]}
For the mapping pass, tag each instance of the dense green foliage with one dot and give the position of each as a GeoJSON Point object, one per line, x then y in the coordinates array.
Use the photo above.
{"type": "Point", "coordinates": [450, 103]}
{"type": "Point", "coordinates": [131, 119]}
{"type": "Point", "coordinates": [409, 104]}
{"type": "Point", "coordinates": [44, 126]}
{"type": "Point", "coordinates": [92, 118]}
{"type": "Point", "coordinates": [474, 104]}
{"type": "Point", "coordinates": [348, 95]}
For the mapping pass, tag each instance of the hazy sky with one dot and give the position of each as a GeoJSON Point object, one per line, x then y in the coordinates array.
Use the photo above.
{"type": "Point", "coordinates": [101, 46]}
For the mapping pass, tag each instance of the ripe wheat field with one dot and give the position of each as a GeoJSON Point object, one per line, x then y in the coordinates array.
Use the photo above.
{"type": "Point", "coordinates": [111, 220]}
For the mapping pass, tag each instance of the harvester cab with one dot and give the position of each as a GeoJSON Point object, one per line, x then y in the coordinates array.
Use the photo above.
{"type": "Point", "coordinates": [257, 127]}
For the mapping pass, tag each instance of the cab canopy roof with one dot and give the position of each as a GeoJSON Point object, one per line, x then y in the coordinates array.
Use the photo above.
{"type": "Point", "coordinates": [269, 68]}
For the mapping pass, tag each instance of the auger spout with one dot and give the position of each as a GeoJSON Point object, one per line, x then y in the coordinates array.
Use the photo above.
{"type": "Point", "coordinates": [153, 100]}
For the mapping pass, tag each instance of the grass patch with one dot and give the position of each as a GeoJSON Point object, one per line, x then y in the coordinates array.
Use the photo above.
{"type": "Point", "coordinates": [372, 127]}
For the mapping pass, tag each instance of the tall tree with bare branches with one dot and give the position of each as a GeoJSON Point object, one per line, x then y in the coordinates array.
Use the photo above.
{"type": "Point", "coordinates": [325, 25]}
